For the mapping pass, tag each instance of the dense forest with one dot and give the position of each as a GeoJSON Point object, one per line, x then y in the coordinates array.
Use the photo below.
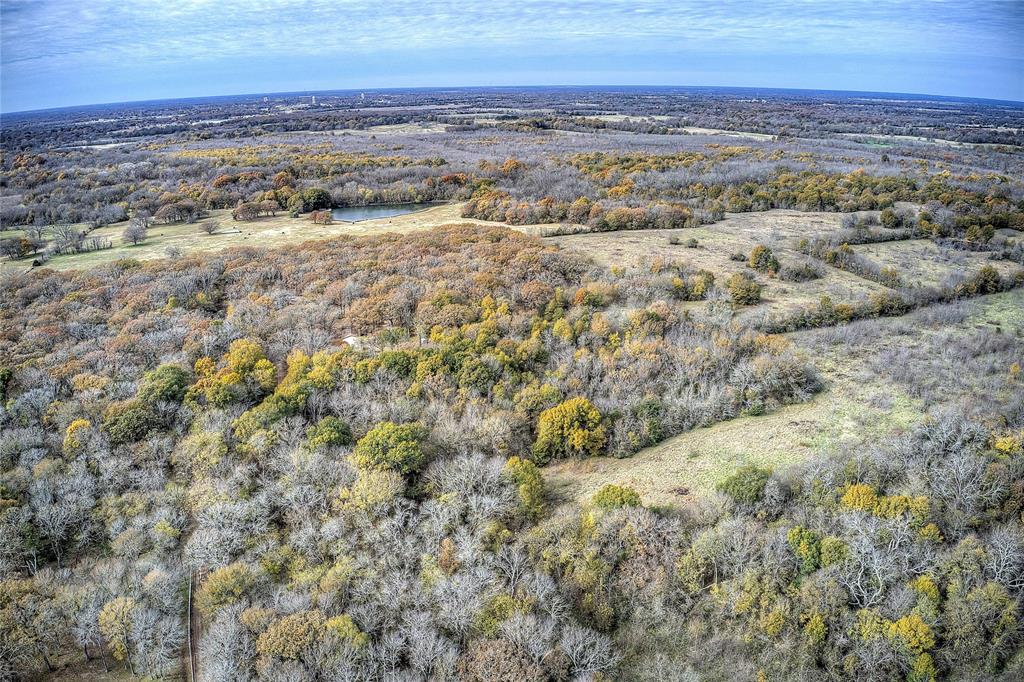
{"type": "Point", "coordinates": [327, 460]}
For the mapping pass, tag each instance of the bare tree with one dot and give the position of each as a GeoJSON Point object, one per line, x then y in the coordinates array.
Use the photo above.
{"type": "Point", "coordinates": [66, 238]}
{"type": "Point", "coordinates": [136, 230]}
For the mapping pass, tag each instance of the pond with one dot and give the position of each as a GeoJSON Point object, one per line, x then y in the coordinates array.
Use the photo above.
{"type": "Point", "coordinates": [353, 214]}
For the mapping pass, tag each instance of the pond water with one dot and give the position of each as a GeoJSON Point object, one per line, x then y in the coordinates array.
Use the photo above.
{"type": "Point", "coordinates": [354, 214]}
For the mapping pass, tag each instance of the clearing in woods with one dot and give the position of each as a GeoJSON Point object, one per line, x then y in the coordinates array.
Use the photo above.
{"type": "Point", "coordinates": [268, 231]}
{"type": "Point", "coordinates": [859, 402]}
{"type": "Point", "coordinates": [738, 233]}
{"type": "Point", "coordinates": [855, 401]}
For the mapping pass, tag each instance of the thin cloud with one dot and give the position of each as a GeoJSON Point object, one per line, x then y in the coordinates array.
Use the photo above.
{"type": "Point", "coordinates": [46, 42]}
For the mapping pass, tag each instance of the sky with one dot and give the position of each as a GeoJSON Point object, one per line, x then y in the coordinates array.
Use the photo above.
{"type": "Point", "coordinates": [67, 52]}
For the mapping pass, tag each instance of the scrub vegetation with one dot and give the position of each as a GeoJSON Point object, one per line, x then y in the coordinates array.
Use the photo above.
{"type": "Point", "coordinates": [674, 385]}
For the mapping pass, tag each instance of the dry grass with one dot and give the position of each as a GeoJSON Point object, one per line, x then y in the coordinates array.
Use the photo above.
{"type": "Point", "coordinates": [268, 231]}
{"type": "Point", "coordinates": [922, 261]}
{"type": "Point", "coordinates": [727, 133]}
{"type": "Point", "coordinates": [857, 404]}
{"type": "Point", "coordinates": [738, 233]}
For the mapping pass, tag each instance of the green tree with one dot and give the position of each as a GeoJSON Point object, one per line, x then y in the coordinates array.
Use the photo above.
{"type": "Point", "coordinates": [329, 431]}
{"type": "Point", "coordinates": [129, 421]}
{"type": "Point", "coordinates": [390, 446]}
{"type": "Point", "coordinates": [166, 383]}
{"type": "Point", "coordinates": [746, 485]}
{"type": "Point", "coordinates": [806, 544]}
{"type": "Point", "coordinates": [316, 198]}
{"type": "Point", "coordinates": [530, 485]}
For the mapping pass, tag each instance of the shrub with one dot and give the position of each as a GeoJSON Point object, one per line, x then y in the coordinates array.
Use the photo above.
{"type": "Point", "coordinates": [985, 281]}
{"type": "Point", "coordinates": [743, 289]}
{"type": "Point", "coordinates": [763, 260]}
{"type": "Point", "coordinates": [746, 486]}
{"type": "Point", "coordinates": [571, 429]}
{"type": "Point", "coordinates": [801, 272]}
{"type": "Point", "coordinates": [613, 496]}
{"type": "Point", "coordinates": [322, 217]}
{"type": "Point", "coordinates": [859, 496]}
{"type": "Point", "coordinates": [392, 447]}
{"type": "Point", "coordinates": [890, 220]}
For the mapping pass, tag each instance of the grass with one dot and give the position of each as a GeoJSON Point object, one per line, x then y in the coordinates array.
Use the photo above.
{"type": "Point", "coordinates": [1004, 311]}
{"type": "Point", "coordinates": [922, 261]}
{"type": "Point", "coordinates": [738, 233]}
{"type": "Point", "coordinates": [268, 231]}
{"type": "Point", "coordinates": [858, 405]}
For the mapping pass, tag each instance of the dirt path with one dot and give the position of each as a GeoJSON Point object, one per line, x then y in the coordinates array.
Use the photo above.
{"type": "Point", "coordinates": [192, 672]}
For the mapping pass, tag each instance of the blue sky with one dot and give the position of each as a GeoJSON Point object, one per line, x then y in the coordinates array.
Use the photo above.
{"type": "Point", "coordinates": [65, 52]}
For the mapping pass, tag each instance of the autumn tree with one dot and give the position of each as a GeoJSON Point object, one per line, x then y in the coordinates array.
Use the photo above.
{"type": "Point", "coordinates": [572, 429]}
{"type": "Point", "coordinates": [763, 260]}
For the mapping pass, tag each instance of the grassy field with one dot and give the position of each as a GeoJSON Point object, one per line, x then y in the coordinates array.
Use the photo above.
{"type": "Point", "coordinates": [922, 261]}
{"type": "Point", "coordinates": [738, 233]}
{"type": "Point", "coordinates": [857, 404]}
{"type": "Point", "coordinates": [267, 231]}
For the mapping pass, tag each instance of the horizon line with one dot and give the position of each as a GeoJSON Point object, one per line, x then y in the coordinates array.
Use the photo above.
{"type": "Point", "coordinates": [596, 88]}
